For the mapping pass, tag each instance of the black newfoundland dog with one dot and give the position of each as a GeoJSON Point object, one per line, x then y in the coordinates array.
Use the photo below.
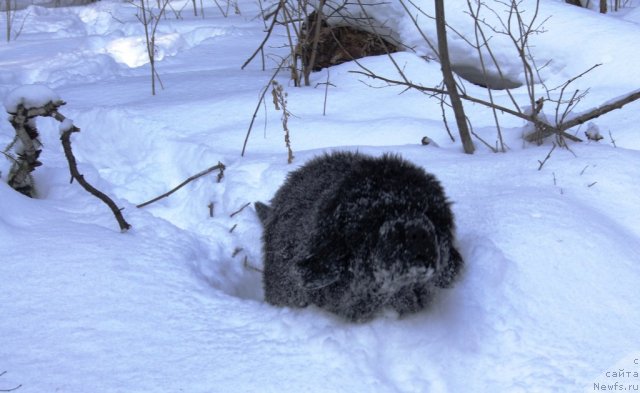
{"type": "Point", "coordinates": [355, 234]}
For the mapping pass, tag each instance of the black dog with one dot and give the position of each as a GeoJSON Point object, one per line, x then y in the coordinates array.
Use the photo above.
{"type": "Point", "coordinates": [355, 234]}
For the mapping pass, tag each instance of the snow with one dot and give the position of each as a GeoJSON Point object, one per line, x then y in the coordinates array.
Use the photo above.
{"type": "Point", "coordinates": [29, 96]}
{"type": "Point", "coordinates": [66, 125]}
{"type": "Point", "coordinates": [548, 300]}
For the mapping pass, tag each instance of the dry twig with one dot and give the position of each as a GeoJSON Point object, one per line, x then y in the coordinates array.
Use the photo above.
{"type": "Point", "coordinates": [260, 101]}
{"type": "Point", "coordinates": [239, 210]}
{"type": "Point", "coordinates": [9, 390]}
{"type": "Point", "coordinates": [260, 48]}
{"type": "Point", "coordinates": [249, 266]}
{"type": "Point", "coordinates": [547, 157]}
{"type": "Point", "coordinates": [219, 166]}
{"type": "Point", "coordinates": [65, 138]}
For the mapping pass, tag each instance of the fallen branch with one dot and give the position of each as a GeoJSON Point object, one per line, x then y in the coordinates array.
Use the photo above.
{"type": "Point", "coordinates": [464, 96]}
{"type": "Point", "coordinates": [22, 118]}
{"type": "Point", "coordinates": [65, 138]}
{"type": "Point", "coordinates": [220, 166]}
{"type": "Point", "coordinates": [542, 129]}
{"type": "Point", "coordinates": [590, 115]}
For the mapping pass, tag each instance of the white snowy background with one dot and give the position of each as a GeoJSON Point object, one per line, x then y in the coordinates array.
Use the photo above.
{"type": "Point", "coordinates": [549, 300]}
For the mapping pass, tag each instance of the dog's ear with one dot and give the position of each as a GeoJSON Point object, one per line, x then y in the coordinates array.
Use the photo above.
{"type": "Point", "coordinates": [316, 274]}
{"type": "Point", "coordinates": [263, 211]}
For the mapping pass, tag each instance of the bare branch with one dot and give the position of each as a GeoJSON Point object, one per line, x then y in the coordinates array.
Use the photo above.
{"type": "Point", "coordinates": [550, 129]}
{"type": "Point", "coordinates": [27, 132]}
{"type": "Point", "coordinates": [481, 37]}
{"type": "Point", "coordinates": [261, 100]}
{"type": "Point", "coordinates": [266, 38]}
{"type": "Point", "coordinates": [220, 166]}
{"type": "Point", "coordinates": [590, 115]}
{"type": "Point", "coordinates": [547, 157]}
{"type": "Point", "coordinates": [239, 210]}
{"type": "Point", "coordinates": [613, 141]}
{"type": "Point", "coordinates": [65, 138]}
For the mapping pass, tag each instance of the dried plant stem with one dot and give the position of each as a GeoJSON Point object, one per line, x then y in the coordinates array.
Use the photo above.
{"type": "Point", "coordinates": [280, 102]}
{"type": "Point", "coordinates": [613, 141]}
{"type": "Point", "coordinates": [326, 93]}
{"type": "Point", "coordinates": [260, 101]}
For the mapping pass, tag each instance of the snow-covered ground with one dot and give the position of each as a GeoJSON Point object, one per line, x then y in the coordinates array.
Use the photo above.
{"type": "Point", "coordinates": [549, 300]}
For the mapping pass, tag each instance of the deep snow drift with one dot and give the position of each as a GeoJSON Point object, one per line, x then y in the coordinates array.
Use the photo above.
{"type": "Point", "coordinates": [548, 300]}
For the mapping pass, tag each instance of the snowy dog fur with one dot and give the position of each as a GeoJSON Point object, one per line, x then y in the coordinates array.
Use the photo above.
{"type": "Point", "coordinates": [354, 234]}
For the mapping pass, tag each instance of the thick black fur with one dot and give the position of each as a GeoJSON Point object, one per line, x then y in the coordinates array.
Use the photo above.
{"type": "Point", "coordinates": [355, 234]}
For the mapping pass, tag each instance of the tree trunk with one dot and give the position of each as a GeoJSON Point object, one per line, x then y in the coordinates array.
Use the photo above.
{"type": "Point", "coordinates": [317, 26]}
{"type": "Point", "coordinates": [9, 21]}
{"type": "Point", "coordinates": [603, 6]}
{"type": "Point", "coordinates": [449, 81]}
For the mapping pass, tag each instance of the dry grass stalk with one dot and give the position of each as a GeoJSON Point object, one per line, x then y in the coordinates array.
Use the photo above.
{"type": "Point", "coordinates": [280, 102]}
